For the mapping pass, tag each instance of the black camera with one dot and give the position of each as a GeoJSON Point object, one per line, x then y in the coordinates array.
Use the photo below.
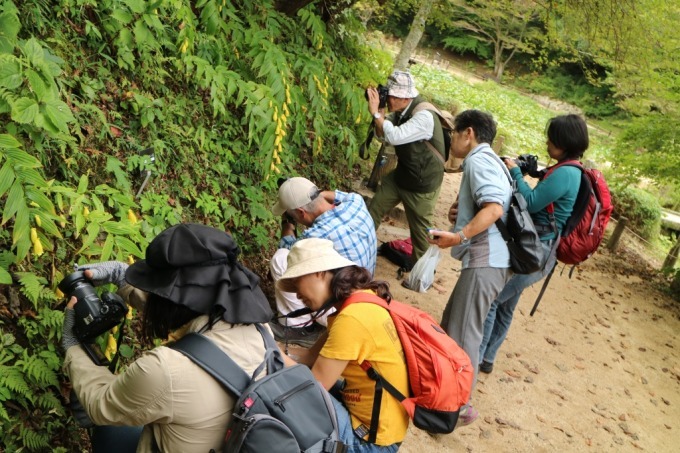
{"type": "Point", "coordinates": [528, 164]}
{"type": "Point", "coordinates": [382, 96]}
{"type": "Point", "coordinates": [94, 316]}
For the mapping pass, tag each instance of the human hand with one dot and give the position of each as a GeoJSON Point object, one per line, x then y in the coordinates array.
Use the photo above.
{"type": "Point", "coordinates": [106, 272]}
{"type": "Point", "coordinates": [68, 338]}
{"type": "Point", "coordinates": [509, 162]}
{"type": "Point", "coordinates": [443, 239]}
{"type": "Point", "coordinates": [453, 212]}
{"type": "Point", "coordinates": [373, 100]}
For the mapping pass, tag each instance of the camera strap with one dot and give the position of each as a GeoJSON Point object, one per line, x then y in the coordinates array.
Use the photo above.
{"type": "Point", "coordinates": [119, 341]}
{"type": "Point", "coordinates": [363, 149]}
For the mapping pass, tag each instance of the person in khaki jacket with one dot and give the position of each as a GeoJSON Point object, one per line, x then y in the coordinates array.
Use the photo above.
{"type": "Point", "coordinates": [163, 401]}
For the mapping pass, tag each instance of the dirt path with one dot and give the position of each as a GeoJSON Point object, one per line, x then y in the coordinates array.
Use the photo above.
{"type": "Point", "coordinates": [596, 369]}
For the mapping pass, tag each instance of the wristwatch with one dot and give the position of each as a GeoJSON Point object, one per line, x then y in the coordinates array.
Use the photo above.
{"type": "Point", "coordinates": [463, 239]}
{"type": "Point", "coordinates": [377, 115]}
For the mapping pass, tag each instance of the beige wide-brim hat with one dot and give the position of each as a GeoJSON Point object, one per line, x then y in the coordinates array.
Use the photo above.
{"type": "Point", "coordinates": [309, 256]}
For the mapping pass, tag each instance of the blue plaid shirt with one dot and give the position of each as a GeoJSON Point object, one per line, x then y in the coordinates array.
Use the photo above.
{"type": "Point", "coordinates": [349, 226]}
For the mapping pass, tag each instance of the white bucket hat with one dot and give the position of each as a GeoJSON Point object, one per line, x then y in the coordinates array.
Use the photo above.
{"type": "Point", "coordinates": [401, 85]}
{"type": "Point", "coordinates": [309, 256]}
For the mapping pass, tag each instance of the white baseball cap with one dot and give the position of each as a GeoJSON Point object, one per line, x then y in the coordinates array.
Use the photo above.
{"type": "Point", "coordinates": [294, 193]}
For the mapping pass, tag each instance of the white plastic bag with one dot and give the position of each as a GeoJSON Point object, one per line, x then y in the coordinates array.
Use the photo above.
{"type": "Point", "coordinates": [422, 274]}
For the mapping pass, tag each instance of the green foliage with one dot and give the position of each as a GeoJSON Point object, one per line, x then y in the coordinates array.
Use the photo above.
{"type": "Point", "coordinates": [227, 97]}
{"type": "Point", "coordinates": [650, 147]}
{"type": "Point", "coordinates": [595, 100]}
{"type": "Point", "coordinates": [640, 207]}
{"type": "Point", "coordinates": [464, 43]}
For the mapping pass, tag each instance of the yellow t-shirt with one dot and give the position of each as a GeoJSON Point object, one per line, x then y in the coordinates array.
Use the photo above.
{"type": "Point", "coordinates": [364, 331]}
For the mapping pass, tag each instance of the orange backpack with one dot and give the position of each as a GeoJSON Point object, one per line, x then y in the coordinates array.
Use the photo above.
{"type": "Point", "coordinates": [439, 371]}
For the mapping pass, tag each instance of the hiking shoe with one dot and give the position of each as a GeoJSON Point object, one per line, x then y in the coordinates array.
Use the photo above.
{"type": "Point", "coordinates": [486, 367]}
{"type": "Point", "coordinates": [301, 336]}
{"type": "Point", "coordinates": [467, 415]}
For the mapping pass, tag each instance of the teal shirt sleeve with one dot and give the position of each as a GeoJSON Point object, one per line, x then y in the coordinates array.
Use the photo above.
{"type": "Point", "coordinates": [560, 188]}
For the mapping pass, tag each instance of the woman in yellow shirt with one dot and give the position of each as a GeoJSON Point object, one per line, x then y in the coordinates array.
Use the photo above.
{"type": "Point", "coordinates": [322, 279]}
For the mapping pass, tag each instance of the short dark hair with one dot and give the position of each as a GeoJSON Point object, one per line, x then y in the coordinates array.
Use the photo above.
{"type": "Point", "coordinates": [568, 133]}
{"type": "Point", "coordinates": [162, 316]}
{"type": "Point", "coordinates": [480, 122]}
{"type": "Point", "coordinates": [347, 280]}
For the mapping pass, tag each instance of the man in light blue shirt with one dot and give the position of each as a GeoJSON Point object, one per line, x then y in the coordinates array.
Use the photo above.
{"type": "Point", "coordinates": [484, 197]}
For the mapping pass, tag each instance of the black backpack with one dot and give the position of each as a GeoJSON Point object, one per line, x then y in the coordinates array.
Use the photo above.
{"type": "Point", "coordinates": [519, 232]}
{"type": "Point", "coordinates": [398, 251]}
{"type": "Point", "coordinates": [285, 411]}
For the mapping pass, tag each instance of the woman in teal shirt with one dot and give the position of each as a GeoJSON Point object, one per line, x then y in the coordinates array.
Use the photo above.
{"type": "Point", "coordinates": [567, 140]}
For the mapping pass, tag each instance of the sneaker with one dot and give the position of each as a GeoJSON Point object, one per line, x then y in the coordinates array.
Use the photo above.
{"type": "Point", "coordinates": [486, 367]}
{"type": "Point", "coordinates": [301, 336]}
{"type": "Point", "coordinates": [467, 415]}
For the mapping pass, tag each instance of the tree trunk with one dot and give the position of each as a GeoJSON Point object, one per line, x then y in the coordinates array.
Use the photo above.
{"type": "Point", "coordinates": [414, 35]}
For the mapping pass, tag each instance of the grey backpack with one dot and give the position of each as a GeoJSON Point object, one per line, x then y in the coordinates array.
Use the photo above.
{"type": "Point", "coordinates": [285, 411]}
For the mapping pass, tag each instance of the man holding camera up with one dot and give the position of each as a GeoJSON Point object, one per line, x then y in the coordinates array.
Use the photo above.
{"type": "Point", "coordinates": [331, 214]}
{"type": "Point", "coordinates": [419, 174]}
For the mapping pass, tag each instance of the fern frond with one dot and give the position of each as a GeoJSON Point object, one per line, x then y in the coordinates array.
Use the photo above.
{"type": "Point", "coordinates": [51, 403]}
{"type": "Point", "coordinates": [51, 322]}
{"type": "Point", "coordinates": [31, 286]}
{"type": "Point", "coordinates": [38, 371]}
{"type": "Point", "coordinates": [4, 415]}
{"type": "Point", "coordinates": [13, 379]}
{"type": "Point", "coordinates": [33, 440]}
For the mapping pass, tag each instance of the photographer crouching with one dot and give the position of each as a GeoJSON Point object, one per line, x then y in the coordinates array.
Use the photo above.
{"type": "Point", "coordinates": [417, 179]}
{"type": "Point", "coordinates": [191, 281]}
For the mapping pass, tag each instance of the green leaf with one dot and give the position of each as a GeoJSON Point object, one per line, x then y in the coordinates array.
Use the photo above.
{"type": "Point", "coordinates": [40, 199]}
{"type": "Point", "coordinates": [15, 202]}
{"type": "Point", "coordinates": [107, 249]}
{"type": "Point", "coordinates": [38, 85]}
{"type": "Point", "coordinates": [22, 158]}
{"type": "Point", "coordinates": [34, 52]}
{"type": "Point", "coordinates": [30, 177]}
{"type": "Point", "coordinates": [21, 235]}
{"type": "Point", "coordinates": [59, 114]}
{"type": "Point", "coordinates": [136, 6]}
{"type": "Point", "coordinates": [5, 277]}
{"type": "Point", "coordinates": [128, 247]}
{"type": "Point", "coordinates": [126, 351]}
{"type": "Point", "coordinates": [8, 141]}
{"type": "Point", "coordinates": [115, 166]}
{"type": "Point", "coordinates": [82, 184]}
{"type": "Point", "coordinates": [6, 177]}
{"type": "Point", "coordinates": [122, 16]}
{"type": "Point", "coordinates": [24, 110]}
{"type": "Point", "coordinates": [9, 29]}
{"type": "Point", "coordinates": [48, 225]}
{"type": "Point", "coordinates": [10, 72]}
{"type": "Point", "coordinates": [88, 240]}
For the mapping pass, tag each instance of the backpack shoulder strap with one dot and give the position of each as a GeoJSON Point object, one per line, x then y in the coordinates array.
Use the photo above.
{"type": "Point", "coordinates": [204, 353]}
{"type": "Point", "coordinates": [365, 297]}
{"type": "Point", "coordinates": [443, 121]}
{"type": "Point", "coordinates": [380, 382]}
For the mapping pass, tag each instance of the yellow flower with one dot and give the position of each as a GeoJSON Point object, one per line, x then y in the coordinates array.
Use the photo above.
{"type": "Point", "coordinates": [34, 235]}
{"type": "Point", "coordinates": [37, 247]}
{"type": "Point", "coordinates": [132, 217]}
{"type": "Point", "coordinates": [37, 220]}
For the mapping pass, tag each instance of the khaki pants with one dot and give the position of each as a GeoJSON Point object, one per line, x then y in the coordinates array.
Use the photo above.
{"type": "Point", "coordinates": [419, 208]}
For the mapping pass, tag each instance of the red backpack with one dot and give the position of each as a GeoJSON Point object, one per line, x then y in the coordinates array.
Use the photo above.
{"type": "Point", "coordinates": [584, 230]}
{"type": "Point", "coordinates": [439, 371]}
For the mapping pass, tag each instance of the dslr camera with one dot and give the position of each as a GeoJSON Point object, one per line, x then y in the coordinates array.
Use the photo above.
{"type": "Point", "coordinates": [382, 96]}
{"type": "Point", "coordinates": [94, 315]}
{"type": "Point", "coordinates": [528, 164]}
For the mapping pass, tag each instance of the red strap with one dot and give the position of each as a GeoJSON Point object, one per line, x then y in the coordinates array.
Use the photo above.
{"type": "Point", "coordinates": [365, 297]}
{"type": "Point", "coordinates": [573, 163]}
